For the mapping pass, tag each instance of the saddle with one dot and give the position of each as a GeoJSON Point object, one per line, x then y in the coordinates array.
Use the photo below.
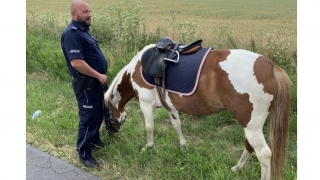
{"type": "Point", "coordinates": [166, 52]}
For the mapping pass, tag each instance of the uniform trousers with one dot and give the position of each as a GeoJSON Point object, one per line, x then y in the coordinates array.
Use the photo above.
{"type": "Point", "coordinates": [90, 104]}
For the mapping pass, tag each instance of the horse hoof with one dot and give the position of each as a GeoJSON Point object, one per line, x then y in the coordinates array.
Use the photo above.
{"type": "Point", "coordinates": [143, 149]}
{"type": "Point", "coordinates": [184, 147]}
{"type": "Point", "coordinates": [147, 147]}
{"type": "Point", "coordinates": [234, 169]}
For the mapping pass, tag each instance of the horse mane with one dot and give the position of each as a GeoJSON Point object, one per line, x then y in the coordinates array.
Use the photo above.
{"type": "Point", "coordinates": [113, 84]}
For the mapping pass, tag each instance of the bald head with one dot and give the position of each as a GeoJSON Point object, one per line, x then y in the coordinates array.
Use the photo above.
{"type": "Point", "coordinates": [76, 3]}
{"type": "Point", "coordinates": [81, 12]}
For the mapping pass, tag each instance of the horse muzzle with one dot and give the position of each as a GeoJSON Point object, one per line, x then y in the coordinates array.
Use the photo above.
{"type": "Point", "coordinates": [112, 127]}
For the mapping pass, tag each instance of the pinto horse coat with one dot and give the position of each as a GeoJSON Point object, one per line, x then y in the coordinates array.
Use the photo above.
{"type": "Point", "coordinates": [245, 83]}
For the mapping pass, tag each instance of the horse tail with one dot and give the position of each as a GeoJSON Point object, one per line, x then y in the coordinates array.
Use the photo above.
{"type": "Point", "coordinates": [279, 122]}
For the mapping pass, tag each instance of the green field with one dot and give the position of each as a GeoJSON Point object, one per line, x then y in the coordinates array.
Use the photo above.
{"type": "Point", "coordinates": [123, 28]}
{"type": "Point", "coordinates": [244, 20]}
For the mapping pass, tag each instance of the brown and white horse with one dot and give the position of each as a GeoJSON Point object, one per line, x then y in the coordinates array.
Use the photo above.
{"type": "Point", "coordinates": [247, 84]}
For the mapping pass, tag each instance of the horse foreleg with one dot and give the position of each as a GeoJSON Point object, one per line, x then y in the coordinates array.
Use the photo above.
{"type": "Point", "coordinates": [148, 112]}
{"type": "Point", "coordinates": [175, 121]}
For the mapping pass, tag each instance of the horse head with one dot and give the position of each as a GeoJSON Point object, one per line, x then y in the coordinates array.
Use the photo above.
{"type": "Point", "coordinates": [113, 123]}
{"type": "Point", "coordinates": [115, 99]}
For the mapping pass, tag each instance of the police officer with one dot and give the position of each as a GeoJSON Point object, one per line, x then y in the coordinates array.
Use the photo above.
{"type": "Point", "coordinates": [87, 66]}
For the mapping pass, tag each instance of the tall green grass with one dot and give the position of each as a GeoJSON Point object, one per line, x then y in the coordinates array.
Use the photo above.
{"type": "Point", "coordinates": [123, 28]}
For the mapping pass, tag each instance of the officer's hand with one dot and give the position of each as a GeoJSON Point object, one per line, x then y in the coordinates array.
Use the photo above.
{"type": "Point", "coordinates": [103, 78]}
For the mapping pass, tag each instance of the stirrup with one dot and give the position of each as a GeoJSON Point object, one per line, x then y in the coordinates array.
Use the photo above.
{"type": "Point", "coordinates": [172, 60]}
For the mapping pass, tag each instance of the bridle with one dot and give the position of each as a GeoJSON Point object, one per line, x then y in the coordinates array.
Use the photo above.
{"type": "Point", "coordinates": [111, 126]}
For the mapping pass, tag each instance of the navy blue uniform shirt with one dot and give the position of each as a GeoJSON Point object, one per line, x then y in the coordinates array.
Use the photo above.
{"type": "Point", "coordinates": [78, 43]}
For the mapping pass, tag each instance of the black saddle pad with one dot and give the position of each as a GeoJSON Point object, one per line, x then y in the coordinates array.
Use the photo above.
{"type": "Point", "coordinates": [182, 78]}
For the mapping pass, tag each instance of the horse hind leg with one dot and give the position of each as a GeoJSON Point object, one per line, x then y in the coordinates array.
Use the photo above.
{"type": "Point", "coordinates": [175, 121]}
{"type": "Point", "coordinates": [244, 157]}
{"type": "Point", "coordinates": [262, 150]}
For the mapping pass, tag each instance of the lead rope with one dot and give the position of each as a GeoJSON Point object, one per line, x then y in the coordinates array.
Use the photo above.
{"type": "Point", "coordinates": [104, 126]}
